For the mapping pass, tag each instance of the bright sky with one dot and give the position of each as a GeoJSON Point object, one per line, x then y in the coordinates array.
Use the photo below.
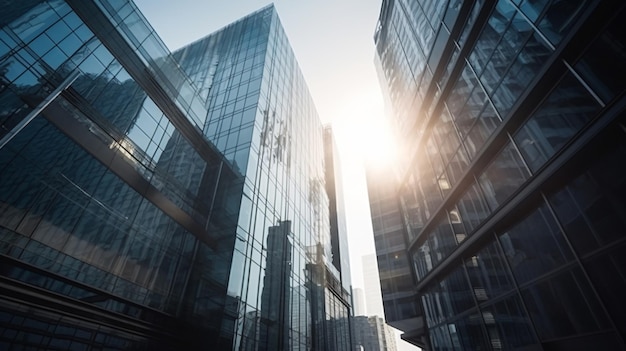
{"type": "Point", "coordinates": [333, 43]}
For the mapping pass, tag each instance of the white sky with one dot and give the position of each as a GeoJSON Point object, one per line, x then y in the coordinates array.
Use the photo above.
{"type": "Point", "coordinates": [333, 43]}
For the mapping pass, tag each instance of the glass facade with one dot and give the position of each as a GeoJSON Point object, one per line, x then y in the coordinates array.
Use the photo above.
{"type": "Point", "coordinates": [510, 190]}
{"type": "Point", "coordinates": [157, 201]}
{"type": "Point", "coordinates": [372, 333]}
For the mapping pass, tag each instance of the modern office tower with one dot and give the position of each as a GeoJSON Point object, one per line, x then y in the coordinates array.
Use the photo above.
{"type": "Point", "coordinates": [358, 299]}
{"type": "Point", "coordinates": [149, 208]}
{"type": "Point", "coordinates": [510, 190]}
{"type": "Point", "coordinates": [371, 283]}
{"type": "Point", "coordinates": [330, 275]}
{"type": "Point", "coordinates": [338, 226]}
{"type": "Point", "coordinates": [373, 334]}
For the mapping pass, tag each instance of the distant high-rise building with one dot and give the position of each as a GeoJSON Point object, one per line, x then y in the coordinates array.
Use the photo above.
{"type": "Point", "coordinates": [373, 334]}
{"type": "Point", "coordinates": [372, 288]}
{"type": "Point", "coordinates": [158, 201]}
{"type": "Point", "coordinates": [506, 215]}
{"type": "Point", "coordinates": [359, 302]}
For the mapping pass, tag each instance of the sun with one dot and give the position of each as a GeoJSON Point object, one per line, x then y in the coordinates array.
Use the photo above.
{"type": "Point", "coordinates": [363, 133]}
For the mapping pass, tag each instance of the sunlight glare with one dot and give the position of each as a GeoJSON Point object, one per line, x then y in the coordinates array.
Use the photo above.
{"type": "Point", "coordinates": [363, 133]}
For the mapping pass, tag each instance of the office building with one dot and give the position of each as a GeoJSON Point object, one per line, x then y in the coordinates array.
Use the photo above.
{"type": "Point", "coordinates": [358, 301]}
{"type": "Point", "coordinates": [373, 334]}
{"type": "Point", "coordinates": [371, 284]}
{"type": "Point", "coordinates": [510, 192]}
{"type": "Point", "coordinates": [158, 201]}
{"type": "Point", "coordinates": [331, 298]}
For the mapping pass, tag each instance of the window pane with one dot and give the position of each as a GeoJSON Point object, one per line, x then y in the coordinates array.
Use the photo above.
{"type": "Point", "coordinates": [471, 334]}
{"type": "Point", "coordinates": [488, 274]}
{"type": "Point", "coordinates": [568, 108]}
{"type": "Point", "coordinates": [456, 292]}
{"type": "Point", "coordinates": [508, 326]}
{"type": "Point", "coordinates": [606, 273]}
{"type": "Point", "coordinates": [535, 246]}
{"type": "Point", "coordinates": [560, 17]}
{"type": "Point", "coordinates": [564, 305]}
{"type": "Point", "coordinates": [503, 176]}
{"type": "Point", "coordinates": [442, 240]}
{"type": "Point", "coordinates": [472, 207]}
{"type": "Point", "coordinates": [591, 207]}
{"type": "Point", "coordinates": [524, 69]}
{"type": "Point", "coordinates": [491, 34]}
{"type": "Point", "coordinates": [603, 67]}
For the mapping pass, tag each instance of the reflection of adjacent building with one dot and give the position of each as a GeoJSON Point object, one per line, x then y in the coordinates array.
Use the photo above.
{"type": "Point", "coordinates": [509, 196]}
{"type": "Point", "coordinates": [330, 303]}
{"type": "Point", "coordinates": [276, 294]}
{"type": "Point", "coordinates": [147, 207]}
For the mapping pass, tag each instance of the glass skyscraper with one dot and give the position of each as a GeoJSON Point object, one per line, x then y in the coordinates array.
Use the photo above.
{"type": "Point", "coordinates": [161, 201]}
{"type": "Point", "coordinates": [508, 209]}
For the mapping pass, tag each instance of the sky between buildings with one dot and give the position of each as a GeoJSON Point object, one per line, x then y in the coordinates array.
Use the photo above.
{"type": "Point", "coordinates": [333, 43]}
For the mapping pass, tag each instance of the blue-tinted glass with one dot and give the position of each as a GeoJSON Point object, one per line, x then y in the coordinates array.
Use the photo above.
{"type": "Point", "coordinates": [508, 326]}
{"type": "Point", "coordinates": [470, 21]}
{"type": "Point", "coordinates": [60, 7]}
{"type": "Point", "coordinates": [466, 83]}
{"type": "Point", "coordinates": [440, 338]}
{"type": "Point", "coordinates": [154, 48]}
{"type": "Point", "coordinates": [481, 130]}
{"type": "Point", "coordinates": [70, 44]}
{"type": "Point", "coordinates": [452, 12]}
{"type": "Point", "coordinates": [566, 110]}
{"type": "Point", "coordinates": [7, 40]}
{"type": "Point", "coordinates": [564, 305]}
{"type": "Point", "coordinates": [423, 260]}
{"type": "Point", "coordinates": [472, 207]}
{"type": "Point", "coordinates": [457, 166]}
{"type": "Point", "coordinates": [12, 68]}
{"type": "Point", "coordinates": [488, 274]}
{"type": "Point", "coordinates": [533, 8]}
{"type": "Point", "coordinates": [491, 34]}
{"type": "Point", "coordinates": [83, 33]}
{"type": "Point", "coordinates": [146, 122]}
{"type": "Point", "coordinates": [535, 246]}
{"type": "Point", "coordinates": [72, 20]}
{"type": "Point", "coordinates": [560, 17]}
{"type": "Point", "coordinates": [41, 44]}
{"type": "Point", "coordinates": [456, 291]}
{"type": "Point", "coordinates": [503, 176]}
{"type": "Point", "coordinates": [33, 22]}
{"type": "Point", "coordinates": [440, 42]}
{"type": "Point", "coordinates": [26, 80]}
{"type": "Point", "coordinates": [505, 52]}
{"type": "Point", "coordinates": [470, 332]}
{"type": "Point", "coordinates": [442, 241]}
{"type": "Point", "coordinates": [58, 31]}
{"type": "Point", "coordinates": [54, 58]}
{"type": "Point", "coordinates": [57, 223]}
{"type": "Point", "coordinates": [4, 48]}
{"type": "Point", "coordinates": [603, 271]}
{"type": "Point", "coordinates": [602, 66]}
{"type": "Point", "coordinates": [525, 68]}
{"type": "Point", "coordinates": [590, 207]}
{"type": "Point", "coordinates": [103, 54]}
